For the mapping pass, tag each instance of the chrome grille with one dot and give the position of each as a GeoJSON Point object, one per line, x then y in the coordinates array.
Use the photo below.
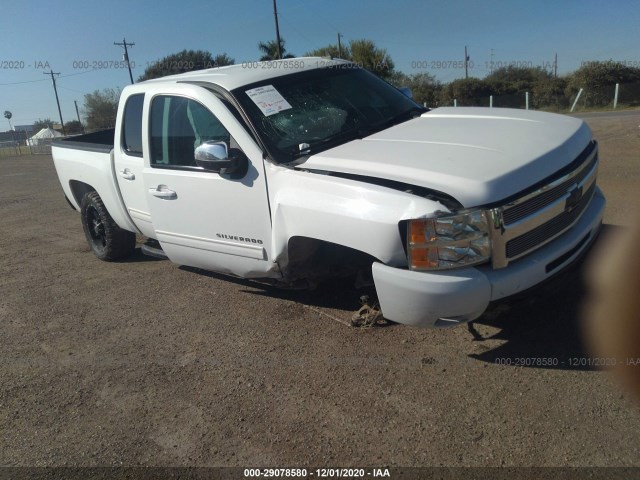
{"type": "Point", "coordinates": [550, 229]}
{"type": "Point", "coordinates": [513, 214]}
{"type": "Point", "coordinates": [536, 218]}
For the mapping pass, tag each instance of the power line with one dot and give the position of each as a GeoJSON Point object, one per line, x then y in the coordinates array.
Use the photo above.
{"type": "Point", "coordinates": [44, 79]}
{"type": "Point", "coordinates": [70, 89]}
{"type": "Point", "coordinates": [79, 73]}
{"type": "Point", "coordinates": [26, 81]}
{"type": "Point", "coordinates": [291, 25]}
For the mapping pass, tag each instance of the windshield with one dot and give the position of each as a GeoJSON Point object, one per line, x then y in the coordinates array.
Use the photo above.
{"type": "Point", "coordinates": [307, 112]}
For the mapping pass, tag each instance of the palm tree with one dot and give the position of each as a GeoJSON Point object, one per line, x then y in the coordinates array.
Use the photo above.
{"type": "Point", "coordinates": [8, 115]}
{"type": "Point", "coordinates": [269, 50]}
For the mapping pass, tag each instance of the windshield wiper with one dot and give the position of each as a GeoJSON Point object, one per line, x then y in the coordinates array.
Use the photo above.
{"type": "Point", "coordinates": [338, 138]}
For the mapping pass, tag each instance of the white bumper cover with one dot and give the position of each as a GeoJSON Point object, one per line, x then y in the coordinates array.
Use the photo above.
{"type": "Point", "coordinates": [450, 297]}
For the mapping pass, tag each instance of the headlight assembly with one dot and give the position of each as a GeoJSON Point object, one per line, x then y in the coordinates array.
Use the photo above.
{"type": "Point", "coordinates": [448, 241]}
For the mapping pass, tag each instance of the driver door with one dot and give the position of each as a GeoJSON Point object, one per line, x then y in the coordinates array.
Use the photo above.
{"type": "Point", "coordinates": [202, 218]}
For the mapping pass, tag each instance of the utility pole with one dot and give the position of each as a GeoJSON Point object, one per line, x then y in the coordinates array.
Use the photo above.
{"type": "Point", "coordinates": [339, 45]}
{"type": "Point", "coordinates": [55, 89]}
{"type": "Point", "coordinates": [491, 64]}
{"type": "Point", "coordinates": [126, 54]}
{"type": "Point", "coordinates": [275, 14]}
{"type": "Point", "coordinates": [466, 63]}
{"type": "Point", "coordinates": [555, 67]}
{"type": "Point", "coordinates": [78, 114]}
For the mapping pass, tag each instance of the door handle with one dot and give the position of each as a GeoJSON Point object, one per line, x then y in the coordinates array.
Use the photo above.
{"type": "Point", "coordinates": [127, 174]}
{"type": "Point", "coordinates": [163, 192]}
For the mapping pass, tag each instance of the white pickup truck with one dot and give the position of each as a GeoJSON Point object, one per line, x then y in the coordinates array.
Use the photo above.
{"type": "Point", "coordinates": [302, 169]}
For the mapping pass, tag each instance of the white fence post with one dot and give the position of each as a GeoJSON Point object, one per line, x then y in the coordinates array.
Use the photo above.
{"type": "Point", "coordinates": [526, 100]}
{"type": "Point", "coordinates": [615, 97]}
{"type": "Point", "coordinates": [490, 101]}
{"type": "Point", "coordinates": [27, 142]}
{"type": "Point", "coordinates": [576, 100]}
{"type": "Point", "coordinates": [455, 102]}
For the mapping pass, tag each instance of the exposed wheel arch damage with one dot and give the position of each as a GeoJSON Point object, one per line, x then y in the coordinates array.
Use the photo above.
{"type": "Point", "coordinates": [314, 260]}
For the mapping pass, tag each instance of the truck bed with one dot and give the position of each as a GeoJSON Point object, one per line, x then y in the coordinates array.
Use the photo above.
{"type": "Point", "coordinates": [100, 141]}
{"type": "Point", "coordinates": [85, 163]}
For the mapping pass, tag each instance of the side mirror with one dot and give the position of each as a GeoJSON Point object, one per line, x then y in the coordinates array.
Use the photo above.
{"type": "Point", "coordinates": [214, 157]}
{"type": "Point", "coordinates": [407, 92]}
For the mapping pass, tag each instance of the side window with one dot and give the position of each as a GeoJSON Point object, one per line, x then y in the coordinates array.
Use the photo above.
{"type": "Point", "coordinates": [178, 126]}
{"type": "Point", "coordinates": [132, 126]}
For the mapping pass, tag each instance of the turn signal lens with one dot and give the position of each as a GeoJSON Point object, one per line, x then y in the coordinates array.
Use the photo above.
{"type": "Point", "coordinates": [448, 241]}
{"type": "Point", "coordinates": [424, 258]}
{"type": "Point", "coordinates": [417, 232]}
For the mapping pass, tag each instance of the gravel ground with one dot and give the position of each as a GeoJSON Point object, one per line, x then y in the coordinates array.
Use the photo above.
{"type": "Point", "coordinates": [147, 363]}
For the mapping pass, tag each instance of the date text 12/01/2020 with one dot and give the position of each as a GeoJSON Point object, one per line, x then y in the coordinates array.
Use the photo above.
{"type": "Point", "coordinates": [571, 362]}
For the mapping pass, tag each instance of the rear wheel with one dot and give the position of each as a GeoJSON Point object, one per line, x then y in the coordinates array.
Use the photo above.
{"type": "Point", "coordinates": [107, 240]}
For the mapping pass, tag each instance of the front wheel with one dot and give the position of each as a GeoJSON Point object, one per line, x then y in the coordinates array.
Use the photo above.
{"type": "Point", "coordinates": [107, 240]}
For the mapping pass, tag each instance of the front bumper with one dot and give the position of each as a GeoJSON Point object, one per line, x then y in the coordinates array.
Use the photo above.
{"type": "Point", "coordinates": [446, 298]}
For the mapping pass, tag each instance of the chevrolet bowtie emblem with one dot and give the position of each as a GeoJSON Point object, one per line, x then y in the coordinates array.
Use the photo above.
{"type": "Point", "coordinates": [575, 195]}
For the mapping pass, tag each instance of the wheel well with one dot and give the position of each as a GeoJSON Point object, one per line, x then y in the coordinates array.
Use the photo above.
{"type": "Point", "coordinates": [312, 258]}
{"type": "Point", "coordinates": [80, 189]}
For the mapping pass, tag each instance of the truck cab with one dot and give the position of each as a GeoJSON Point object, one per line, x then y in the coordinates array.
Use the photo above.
{"type": "Point", "coordinates": [320, 168]}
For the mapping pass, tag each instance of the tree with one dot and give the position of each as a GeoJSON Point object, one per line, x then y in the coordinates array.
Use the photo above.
{"type": "Point", "coordinates": [269, 50]}
{"type": "Point", "coordinates": [40, 124]}
{"type": "Point", "coordinates": [73, 127]}
{"type": "Point", "coordinates": [467, 91]}
{"type": "Point", "coordinates": [331, 51]}
{"type": "Point", "coordinates": [185, 61]}
{"type": "Point", "coordinates": [424, 87]}
{"type": "Point", "coordinates": [363, 52]}
{"type": "Point", "coordinates": [513, 79]}
{"type": "Point", "coordinates": [100, 108]}
{"type": "Point", "coordinates": [8, 115]}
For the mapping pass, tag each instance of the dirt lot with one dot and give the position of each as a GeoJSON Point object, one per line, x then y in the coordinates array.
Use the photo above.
{"type": "Point", "coordinates": [147, 363]}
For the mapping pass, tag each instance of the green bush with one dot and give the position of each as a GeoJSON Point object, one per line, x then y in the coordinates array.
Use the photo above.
{"type": "Point", "coordinates": [598, 80]}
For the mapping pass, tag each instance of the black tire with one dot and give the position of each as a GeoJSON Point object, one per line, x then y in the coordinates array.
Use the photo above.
{"type": "Point", "coordinates": [107, 240]}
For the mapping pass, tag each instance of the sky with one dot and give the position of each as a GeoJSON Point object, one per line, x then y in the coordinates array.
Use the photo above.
{"type": "Point", "coordinates": [421, 36]}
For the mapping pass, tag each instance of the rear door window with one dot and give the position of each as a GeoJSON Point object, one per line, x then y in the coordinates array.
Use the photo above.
{"type": "Point", "coordinates": [132, 126]}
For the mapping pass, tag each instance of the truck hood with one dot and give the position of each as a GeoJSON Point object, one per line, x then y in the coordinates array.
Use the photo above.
{"type": "Point", "coordinates": [479, 156]}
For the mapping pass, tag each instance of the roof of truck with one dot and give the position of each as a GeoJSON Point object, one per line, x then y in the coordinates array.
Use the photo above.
{"type": "Point", "coordinates": [246, 73]}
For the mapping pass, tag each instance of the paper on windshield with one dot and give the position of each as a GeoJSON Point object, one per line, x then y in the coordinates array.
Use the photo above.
{"type": "Point", "coordinates": [268, 100]}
